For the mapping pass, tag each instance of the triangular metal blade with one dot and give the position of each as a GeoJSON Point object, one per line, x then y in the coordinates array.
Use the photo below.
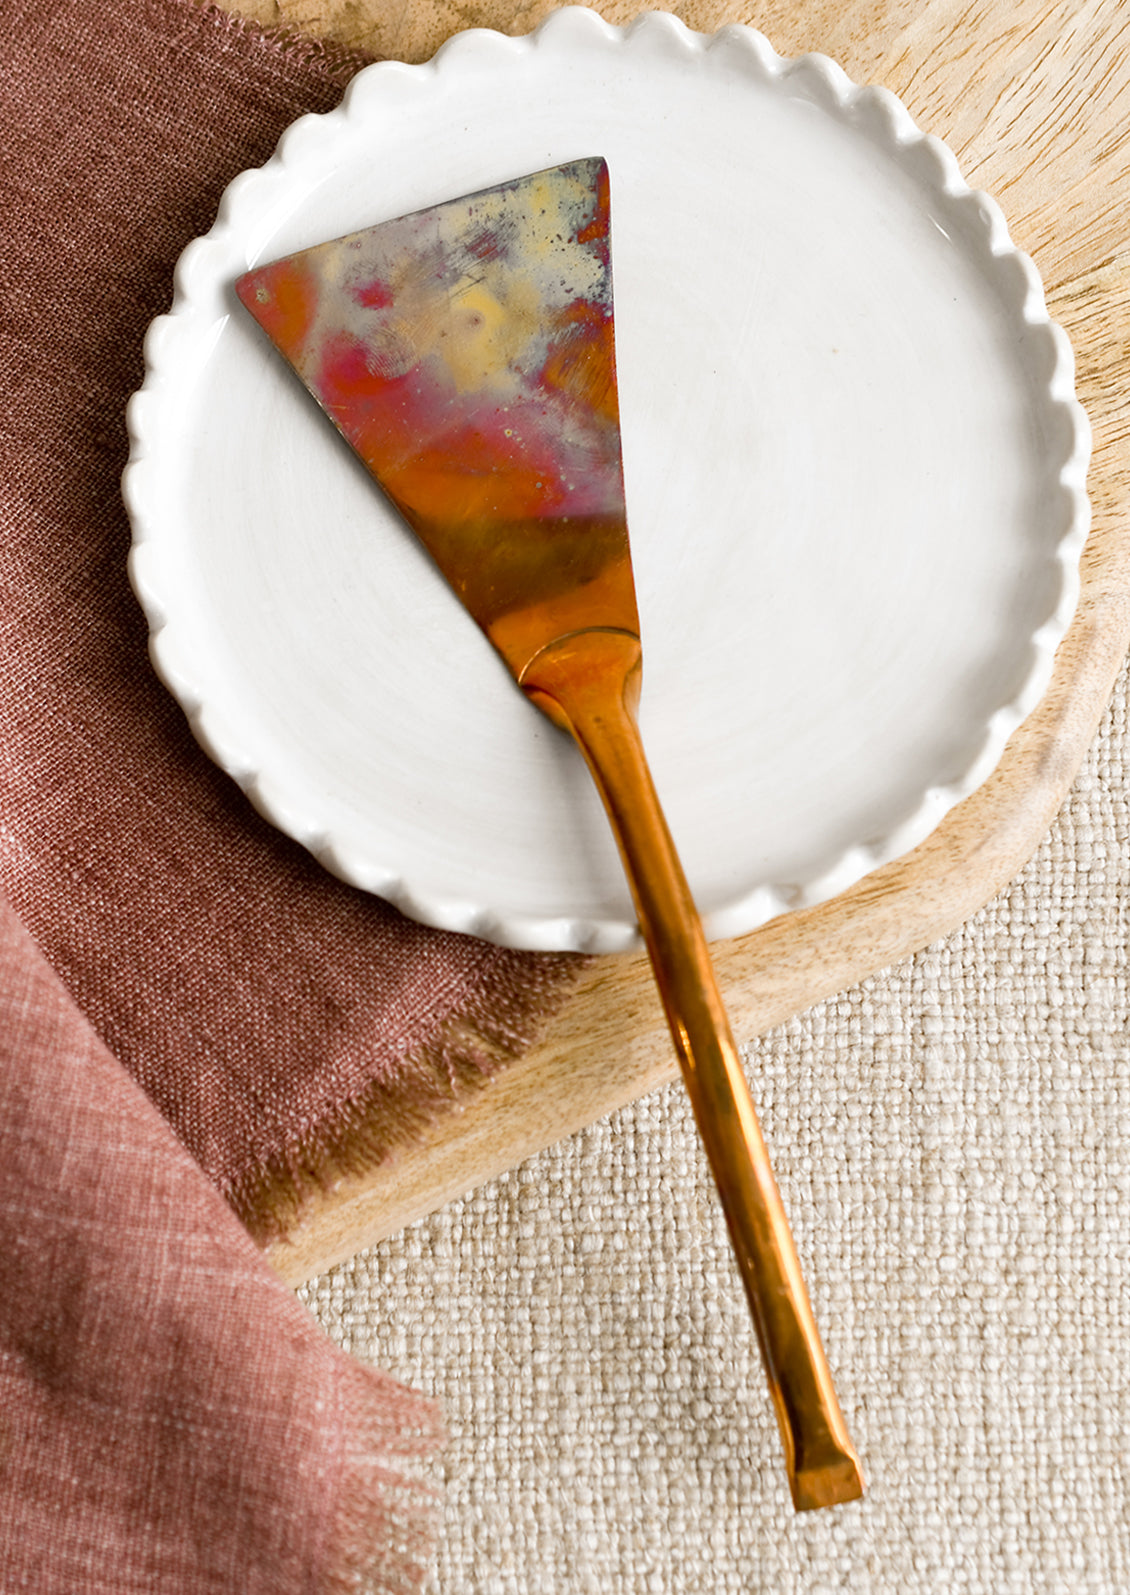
{"type": "Point", "coordinates": [466, 352]}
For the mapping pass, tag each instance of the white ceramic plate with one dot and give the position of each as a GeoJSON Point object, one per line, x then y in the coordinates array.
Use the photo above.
{"type": "Point", "coordinates": [855, 474]}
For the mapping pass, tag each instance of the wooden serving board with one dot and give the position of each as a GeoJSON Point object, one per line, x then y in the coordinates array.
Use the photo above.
{"type": "Point", "coordinates": [1033, 96]}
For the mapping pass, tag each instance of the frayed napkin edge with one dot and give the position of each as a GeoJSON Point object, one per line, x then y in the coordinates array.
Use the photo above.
{"type": "Point", "coordinates": [502, 1021]}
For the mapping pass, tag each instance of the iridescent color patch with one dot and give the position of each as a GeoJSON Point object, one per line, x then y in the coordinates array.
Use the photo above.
{"type": "Point", "coordinates": [466, 352]}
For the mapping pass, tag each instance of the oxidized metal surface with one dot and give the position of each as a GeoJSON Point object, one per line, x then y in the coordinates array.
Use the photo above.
{"type": "Point", "coordinates": [466, 352]}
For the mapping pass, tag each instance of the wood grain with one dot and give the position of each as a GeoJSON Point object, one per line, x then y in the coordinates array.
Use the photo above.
{"type": "Point", "coordinates": [1033, 96]}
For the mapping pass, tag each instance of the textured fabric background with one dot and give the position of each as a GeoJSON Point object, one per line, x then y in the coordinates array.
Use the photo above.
{"type": "Point", "coordinates": [952, 1140]}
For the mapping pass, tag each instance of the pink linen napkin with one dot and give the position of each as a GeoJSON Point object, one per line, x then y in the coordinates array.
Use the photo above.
{"type": "Point", "coordinates": [285, 1025]}
{"type": "Point", "coordinates": [172, 1420]}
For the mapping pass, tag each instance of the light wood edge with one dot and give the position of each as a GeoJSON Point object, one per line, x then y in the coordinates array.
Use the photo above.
{"type": "Point", "coordinates": [568, 1080]}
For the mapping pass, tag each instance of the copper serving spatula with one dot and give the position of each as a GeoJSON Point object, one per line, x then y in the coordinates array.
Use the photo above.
{"type": "Point", "coordinates": [466, 353]}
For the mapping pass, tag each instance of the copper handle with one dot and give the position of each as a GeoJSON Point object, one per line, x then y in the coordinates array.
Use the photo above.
{"type": "Point", "coordinates": [589, 685]}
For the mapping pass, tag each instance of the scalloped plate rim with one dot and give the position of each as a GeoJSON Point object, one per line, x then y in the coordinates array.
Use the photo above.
{"type": "Point", "coordinates": [250, 194]}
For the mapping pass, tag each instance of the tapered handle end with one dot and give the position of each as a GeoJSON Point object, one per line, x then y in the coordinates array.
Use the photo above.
{"type": "Point", "coordinates": [828, 1482]}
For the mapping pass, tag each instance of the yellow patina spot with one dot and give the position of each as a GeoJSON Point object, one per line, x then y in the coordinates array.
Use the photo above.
{"type": "Point", "coordinates": [487, 330]}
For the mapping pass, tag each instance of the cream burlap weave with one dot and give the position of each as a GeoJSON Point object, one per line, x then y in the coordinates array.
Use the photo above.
{"type": "Point", "coordinates": [953, 1143]}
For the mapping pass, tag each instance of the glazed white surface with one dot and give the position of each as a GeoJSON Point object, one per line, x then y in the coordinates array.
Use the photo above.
{"type": "Point", "coordinates": [854, 467]}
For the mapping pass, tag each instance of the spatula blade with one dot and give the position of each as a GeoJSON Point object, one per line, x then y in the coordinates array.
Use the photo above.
{"type": "Point", "coordinates": [466, 352]}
